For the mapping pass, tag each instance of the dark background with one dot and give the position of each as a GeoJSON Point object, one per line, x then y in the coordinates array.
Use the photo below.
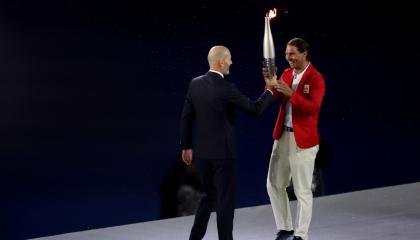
{"type": "Point", "coordinates": [91, 94]}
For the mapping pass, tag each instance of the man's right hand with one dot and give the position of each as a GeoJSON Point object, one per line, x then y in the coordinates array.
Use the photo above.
{"type": "Point", "coordinates": [271, 83]}
{"type": "Point", "coordinates": [265, 72]}
{"type": "Point", "coordinates": [187, 156]}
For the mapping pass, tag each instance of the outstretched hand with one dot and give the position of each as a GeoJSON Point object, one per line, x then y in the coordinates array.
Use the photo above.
{"type": "Point", "coordinates": [265, 72]}
{"type": "Point", "coordinates": [271, 83]}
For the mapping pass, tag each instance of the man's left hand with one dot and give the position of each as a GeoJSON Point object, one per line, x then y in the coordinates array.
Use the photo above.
{"type": "Point", "coordinates": [187, 156]}
{"type": "Point", "coordinates": [282, 87]}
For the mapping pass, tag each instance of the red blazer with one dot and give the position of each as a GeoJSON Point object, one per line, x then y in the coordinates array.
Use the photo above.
{"type": "Point", "coordinates": [306, 102]}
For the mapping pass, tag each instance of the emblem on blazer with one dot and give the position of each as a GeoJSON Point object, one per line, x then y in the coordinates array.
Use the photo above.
{"type": "Point", "coordinates": [306, 88]}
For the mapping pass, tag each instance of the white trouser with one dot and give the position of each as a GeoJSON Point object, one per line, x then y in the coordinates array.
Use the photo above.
{"type": "Point", "coordinates": [288, 161]}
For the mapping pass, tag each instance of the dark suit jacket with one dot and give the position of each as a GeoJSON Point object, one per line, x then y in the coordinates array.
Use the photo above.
{"type": "Point", "coordinates": [210, 105]}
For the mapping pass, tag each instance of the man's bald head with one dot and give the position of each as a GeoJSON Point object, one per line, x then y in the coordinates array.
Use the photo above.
{"type": "Point", "coordinates": [219, 59]}
{"type": "Point", "coordinates": [216, 54]}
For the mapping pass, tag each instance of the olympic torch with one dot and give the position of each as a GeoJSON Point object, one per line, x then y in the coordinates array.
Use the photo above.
{"type": "Point", "coordinates": [268, 45]}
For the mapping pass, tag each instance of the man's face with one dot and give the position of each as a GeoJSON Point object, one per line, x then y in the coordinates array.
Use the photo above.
{"type": "Point", "coordinates": [295, 58]}
{"type": "Point", "coordinates": [226, 64]}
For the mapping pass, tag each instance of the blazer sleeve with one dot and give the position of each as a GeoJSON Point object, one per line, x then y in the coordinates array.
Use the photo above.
{"type": "Point", "coordinates": [187, 121]}
{"type": "Point", "coordinates": [239, 100]}
{"type": "Point", "coordinates": [312, 104]}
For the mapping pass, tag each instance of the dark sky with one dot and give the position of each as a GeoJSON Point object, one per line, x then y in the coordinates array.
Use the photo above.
{"type": "Point", "coordinates": [91, 93]}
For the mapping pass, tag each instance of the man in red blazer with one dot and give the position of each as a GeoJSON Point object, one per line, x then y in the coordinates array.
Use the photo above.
{"type": "Point", "coordinates": [301, 89]}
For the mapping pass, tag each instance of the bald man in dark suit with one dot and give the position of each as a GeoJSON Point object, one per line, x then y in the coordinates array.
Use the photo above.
{"type": "Point", "coordinates": [209, 107]}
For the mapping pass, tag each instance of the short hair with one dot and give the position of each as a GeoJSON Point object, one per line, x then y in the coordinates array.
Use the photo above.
{"type": "Point", "coordinates": [217, 53]}
{"type": "Point", "coordinates": [301, 45]}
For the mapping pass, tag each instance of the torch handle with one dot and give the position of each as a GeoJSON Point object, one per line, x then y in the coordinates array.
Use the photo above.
{"type": "Point", "coordinates": [270, 64]}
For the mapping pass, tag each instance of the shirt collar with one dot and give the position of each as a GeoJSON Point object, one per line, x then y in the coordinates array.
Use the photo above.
{"type": "Point", "coordinates": [217, 73]}
{"type": "Point", "coordinates": [295, 75]}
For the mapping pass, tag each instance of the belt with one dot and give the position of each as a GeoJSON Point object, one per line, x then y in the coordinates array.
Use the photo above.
{"type": "Point", "coordinates": [288, 129]}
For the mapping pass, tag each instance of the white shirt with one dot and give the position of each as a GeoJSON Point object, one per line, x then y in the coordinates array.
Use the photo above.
{"type": "Point", "coordinates": [296, 80]}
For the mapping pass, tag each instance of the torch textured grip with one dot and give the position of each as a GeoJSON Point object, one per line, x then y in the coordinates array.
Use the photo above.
{"type": "Point", "coordinates": [270, 64]}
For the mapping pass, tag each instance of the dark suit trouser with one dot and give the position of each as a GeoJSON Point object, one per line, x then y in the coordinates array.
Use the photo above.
{"type": "Point", "coordinates": [218, 179]}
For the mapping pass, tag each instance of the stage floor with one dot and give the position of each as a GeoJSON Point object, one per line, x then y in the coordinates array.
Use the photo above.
{"type": "Point", "coordinates": [390, 213]}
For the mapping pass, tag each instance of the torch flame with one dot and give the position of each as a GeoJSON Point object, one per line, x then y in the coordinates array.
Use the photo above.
{"type": "Point", "coordinates": [272, 13]}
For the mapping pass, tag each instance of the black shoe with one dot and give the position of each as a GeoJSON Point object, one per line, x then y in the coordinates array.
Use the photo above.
{"type": "Point", "coordinates": [297, 238]}
{"type": "Point", "coordinates": [284, 235]}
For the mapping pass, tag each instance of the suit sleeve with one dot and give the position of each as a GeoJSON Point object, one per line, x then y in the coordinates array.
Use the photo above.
{"type": "Point", "coordinates": [187, 121]}
{"type": "Point", "coordinates": [242, 102]}
{"type": "Point", "coordinates": [312, 104]}
{"type": "Point", "coordinates": [276, 94]}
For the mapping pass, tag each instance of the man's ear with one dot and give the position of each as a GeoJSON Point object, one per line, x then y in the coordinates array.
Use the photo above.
{"type": "Point", "coordinates": [221, 63]}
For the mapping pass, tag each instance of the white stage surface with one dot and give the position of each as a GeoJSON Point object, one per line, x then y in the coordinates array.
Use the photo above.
{"type": "Point", "coordinates": [390, 213]}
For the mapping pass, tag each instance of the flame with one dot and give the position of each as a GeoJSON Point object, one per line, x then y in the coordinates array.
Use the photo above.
{"type": "Point", "coordinates": [272, 13]}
